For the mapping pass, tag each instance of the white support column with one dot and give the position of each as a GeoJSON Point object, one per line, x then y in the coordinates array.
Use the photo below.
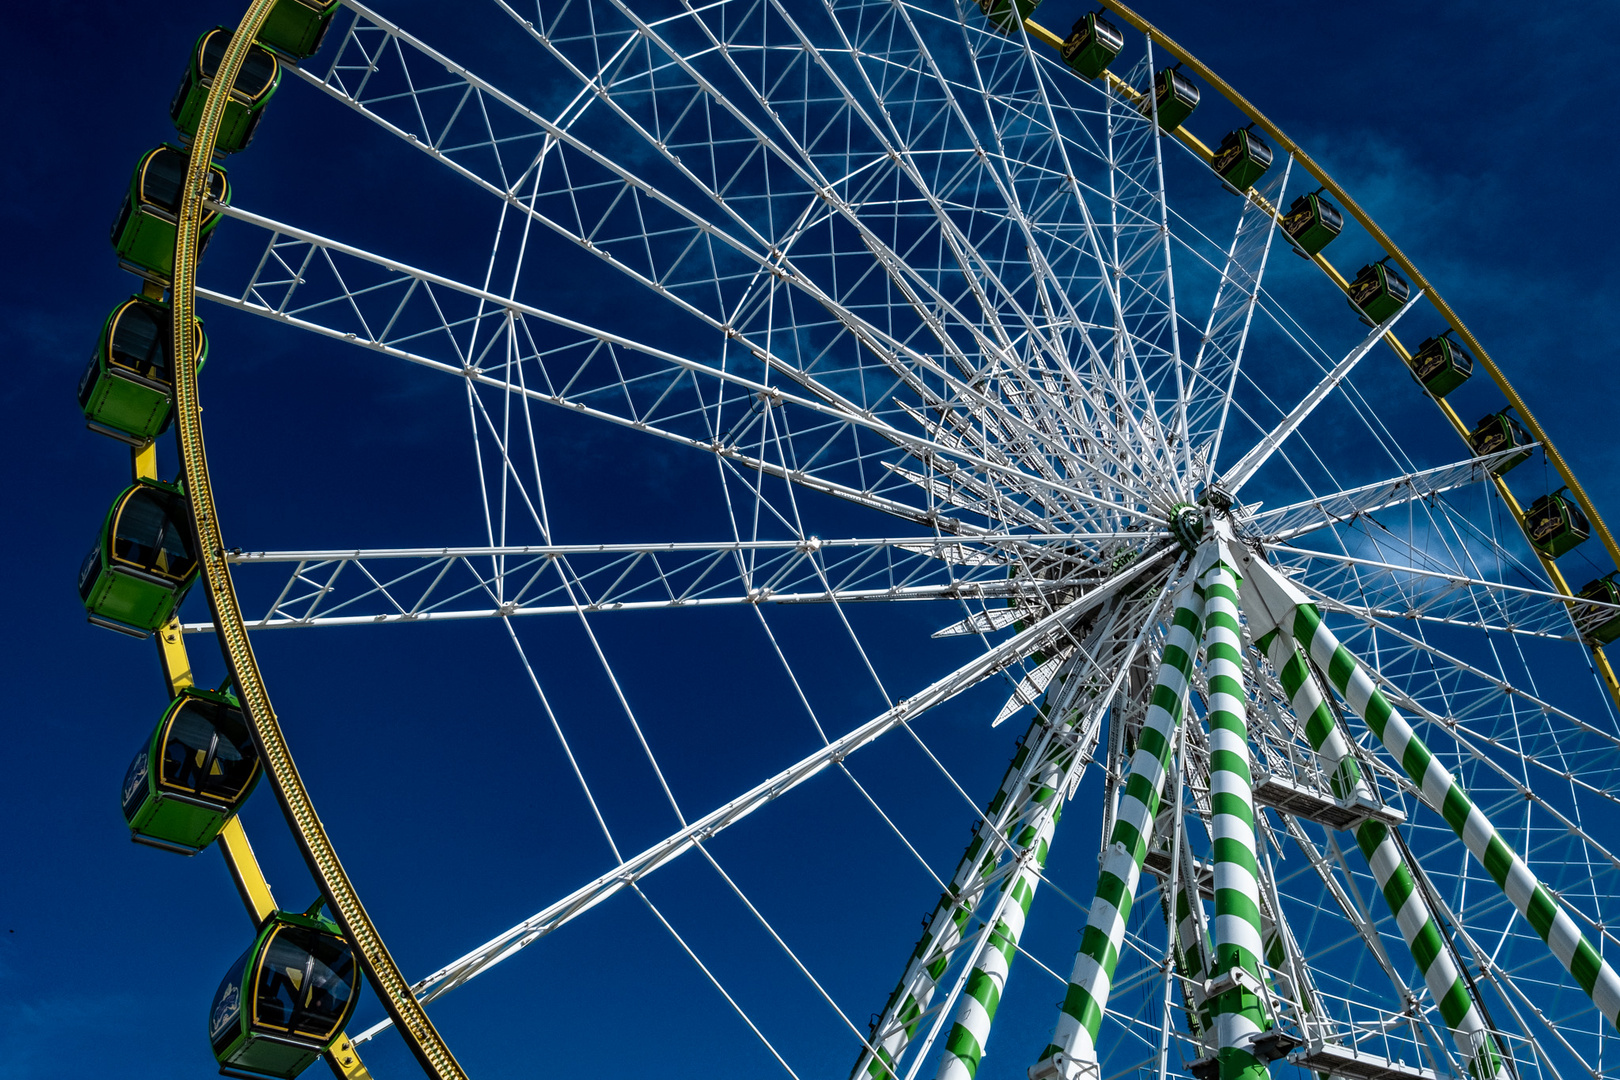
{"type": "Point", "coordinates": [1239, 943]}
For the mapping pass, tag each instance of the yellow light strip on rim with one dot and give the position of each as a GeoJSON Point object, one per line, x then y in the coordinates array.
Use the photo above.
{"type": "Point", "coordinates": [342, 899]}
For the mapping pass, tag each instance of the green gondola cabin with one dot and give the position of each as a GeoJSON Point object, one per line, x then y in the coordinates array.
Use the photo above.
{"type": "Point", "coordinates": [255, 85]}
{"type": "Point", "coordinates": [1092, 45]}
{"type": "Point", "coordinates": [195, 770]}
{"type": "Point", "coordinates": [295, 28]}
{"type": "Point", "coordinates": [1597, 625]}
{"type": "Point", "coordinates": [285, 1001]}
{"type": "Point", "coordinates": [1312, 222]}
{"type": "Point", "coordinates": [144, 233]}
{"type": "Point", "coordinates": [1555, 524]}
{"type": "Point", "coordinates": [127, 390]}
{"type": "Point", "coordinates": [1174, 96]}
{"type": "Point", "coordinates": [1497, 432]}
{"type": "Point", "coordinates": [1008, 15]}
{"type": "Point", "coordinates": [143, 564]}
{"type": "Point", "coordinates": [1243, 158]}
{"type": "Point", "coordinates": [1378, 292]}
{"type": "Point", "coordinates": [1441, 364]}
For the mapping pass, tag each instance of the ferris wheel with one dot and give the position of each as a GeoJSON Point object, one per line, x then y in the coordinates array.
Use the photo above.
{"type": "Point", "coordinates": [1018, 328]}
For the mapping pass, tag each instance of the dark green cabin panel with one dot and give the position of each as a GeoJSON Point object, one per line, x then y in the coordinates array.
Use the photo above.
{"type": "Point", "coordinates": [255, 85]}
{"type": "Point", "coordinates": [1007, 15]}
{"type": "Point", "coordinates": [1312, 223]}
{"type": "Point", "coordinates": [1441, 365]}
{"type": "Point", "coordinates": [1243, 158]}
{"type": "Point", "coordinates": [1092, 45]}
{"type": "Point", "coordinates": [1497, 432]}
{"type": "Point", "coordinates": [1555, 524]}
{"type": "Point", "coordinates": [1599, 626]}
{"type": "Point", "coordinates": [1175, 96]}
{"type": "Point", "coordinates": [296, 28]}
{"type": "Point", "coordinates": [1378, 292]}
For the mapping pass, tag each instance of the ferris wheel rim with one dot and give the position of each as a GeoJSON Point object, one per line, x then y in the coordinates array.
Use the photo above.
{"type": "Point", "coordinates": [210, 581]}
{"type": "Point", "coordinates": [298, 810]}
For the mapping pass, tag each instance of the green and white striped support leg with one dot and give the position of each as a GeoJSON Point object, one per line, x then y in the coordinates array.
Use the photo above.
{"type": "Point", "coordinates": [1418, 925]}
{"type": "Point", "coordinates": [1321, 728]}
{"type": "Point", "coordinates": [1288, 608]}
{"type": "Point", "coordinates": [1074, 1037]}
{"type": "Point", "coordinates": [943, 934]}
{"type": "Point", "coordinates": [970, 1028]}
{"type": "Point", "coordinates": [1475, 1043]}
{"type": "Point", "coordinates": [1239, 946]}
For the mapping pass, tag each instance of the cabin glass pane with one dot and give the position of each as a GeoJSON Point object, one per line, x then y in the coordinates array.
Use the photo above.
{"type": "Point", "coordinates": [89, 571]}
{"type": "Point", "coordinates": [161, 182]}
{"type": "Point", "coordinates": [208, 751]}
{"type": "Point", "coordinates": [226, 1009]}
{"type": "Point", "coordinates": [213, 52]}
{"type": "Point", "coordinates": [148, 536]}
{"type": "Point", "coordinates": [257, 70]}
{"type": "Point", "coordinates": [305, 982]}
{"type": "Point", "coordinates": [140, 339]}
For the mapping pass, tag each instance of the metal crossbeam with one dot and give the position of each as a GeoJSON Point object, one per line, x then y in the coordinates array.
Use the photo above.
{"type": "Point", "coordinates": [1298, 519]}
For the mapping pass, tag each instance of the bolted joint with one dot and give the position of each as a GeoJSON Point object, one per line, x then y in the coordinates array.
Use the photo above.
{"type": "Point", "coordinates": [1062, 1066]}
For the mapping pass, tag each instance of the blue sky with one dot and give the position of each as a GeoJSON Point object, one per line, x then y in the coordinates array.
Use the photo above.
{"type": "Point", "coordinates": [1479, 136]}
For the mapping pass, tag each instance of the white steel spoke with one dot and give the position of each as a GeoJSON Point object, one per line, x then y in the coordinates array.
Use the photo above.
{"type": "Point", "coordinates": [586, 372]}
{"type": "Point", "coordinates": [1220, 351]}
{"type": "Point", "coordinates": [1238, 475]}
{"type": "Point", "coordinates": [1299, 519]}
{"type": "Point", "coordinates": [1052, 628]}
{"type": "Point", "coordinates": [438, 584]}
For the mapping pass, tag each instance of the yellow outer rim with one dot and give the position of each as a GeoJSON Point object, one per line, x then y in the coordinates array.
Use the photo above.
{"type": "Point", "coordinates": [341, 898]}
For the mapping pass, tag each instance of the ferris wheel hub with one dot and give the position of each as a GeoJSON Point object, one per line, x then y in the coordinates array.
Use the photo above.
{"type": "Point", "coordinates": [1187, 526]}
